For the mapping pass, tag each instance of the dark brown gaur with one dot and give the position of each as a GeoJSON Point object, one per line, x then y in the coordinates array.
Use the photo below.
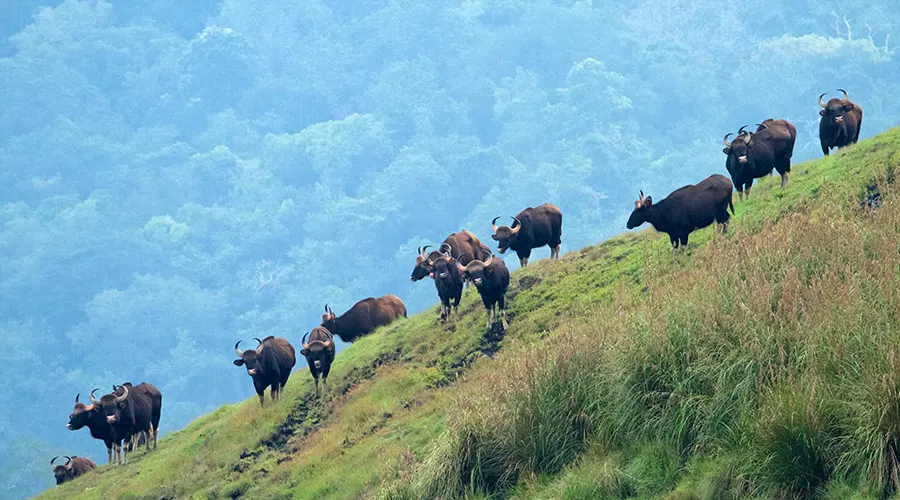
{"type": "Point", "coordinates": [491, 278]}
{"type": "Point", "coordinates": [840, 123]}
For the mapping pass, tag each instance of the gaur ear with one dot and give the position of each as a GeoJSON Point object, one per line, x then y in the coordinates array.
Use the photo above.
{"type": "Point", "coordinates": [821, 112]}
{"type": "Point", "coordinates": [239, 362]}
{"type": "Point", "coordinates": [304, 352]}
{"type": "Point", "coordinates": [494, 236]}
{"type": "Point", "coordinates": [726, 151]}
{"type": "Point", "coordinates": [648, 201]}
{"type": "Point", "coordinates": [847, 108]}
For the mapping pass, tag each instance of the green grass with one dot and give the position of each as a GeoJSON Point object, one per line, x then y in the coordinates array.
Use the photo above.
{"type": "Point", "coordinates": [758, 364]}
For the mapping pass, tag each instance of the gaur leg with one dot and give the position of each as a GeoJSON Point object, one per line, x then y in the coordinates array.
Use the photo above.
{"type": "Point", "coordinates": [747, 190]}
{"type": "Point", "coordinates": [109, 451]}
{"type": "Point", "coordinates": [149, 437]}
{"type": "Point", "coordinates": [124, 455]}
{"type": "Point", "coordinates": [825, 147]}
{"type": "Point", "coordinates": [316, 379]}
{"type": "Point", "coordinates": [262, 398]}
{"type": "Point", "coordinates": [502, 304]}
{"type": "Point", "coordinates": [554, 252]}
{"type": "Point", "coordinates": [684, 241]}
{"type": "Point", "coordinates": [523, 257]}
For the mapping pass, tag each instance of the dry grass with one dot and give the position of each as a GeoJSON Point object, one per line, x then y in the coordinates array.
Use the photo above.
{"type": "Point", "coordinates": [775, 344]}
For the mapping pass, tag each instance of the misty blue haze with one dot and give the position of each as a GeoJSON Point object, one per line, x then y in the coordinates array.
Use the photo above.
{"type": "Point", "coordinates": [175, 176]}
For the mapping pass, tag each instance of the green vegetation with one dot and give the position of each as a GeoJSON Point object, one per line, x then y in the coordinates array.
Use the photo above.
{"type": "Point", "coordinates": [757, 364]}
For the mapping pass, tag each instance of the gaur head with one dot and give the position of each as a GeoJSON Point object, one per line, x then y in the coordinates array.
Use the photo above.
{"type": "Point", "coordinates": [441, 264]}
{"type": "Point", "coordinates": [80, 415]}
{"type": "Point", "coordinates": [423, 268]}
{"type": "Point", "coordinates": [62, 472]}
{"type": "Point", "coordinates": [639, 215]}
{"type": "Point", "coordinates": [835, 109]}
{"type": "Point", "coordinates": [506, 236]}
{"type": "Point", "coordinates": [328, 319]}
{"type": "Point", "coordinates": [110, 405]}
{"type": "Point", "coordinates": [740, 146]}
{"type": "Point", "coordinates": [476, 271]}
{"type": "Point", "coordinates": [315, 351]}
{"type": "Point", "coordinates": [249, 358]}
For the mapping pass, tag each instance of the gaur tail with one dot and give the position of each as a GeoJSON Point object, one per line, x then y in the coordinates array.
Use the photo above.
{"type": "Point", "coordinates": [731, 204]}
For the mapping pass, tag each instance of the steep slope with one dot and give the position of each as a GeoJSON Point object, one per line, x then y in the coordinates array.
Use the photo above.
{"type": "Point", "coordinates": [611, 380]}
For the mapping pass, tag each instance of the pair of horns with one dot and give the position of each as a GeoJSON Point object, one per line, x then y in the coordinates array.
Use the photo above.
{"type": "Point", "coordinates": [239, 352]}
{"type": "Point", "coordinates": [326, 343]}
{"type": "Point", "coordinates": [446, 251]}
{"type": "Point", "coordinates": [514, 230]}
{"type": "Point", "coordinates": [68, 461]}
{"type": "Point", "coordinates": [846, 97]}
{"type": "Point", "coordinates": [119, 399]}
{"type": "Point", "coordinates": [741, 132]}
{"type": "Point", "coordinates": [328, 309]}
{"type": "Point", "coordinates": [464, 268]}
{"type": "Point", "coordinates": [420, 251]}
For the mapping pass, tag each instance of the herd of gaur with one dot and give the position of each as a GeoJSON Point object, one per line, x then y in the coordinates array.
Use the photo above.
{"type": "Point", "coordinates": [129, 415]}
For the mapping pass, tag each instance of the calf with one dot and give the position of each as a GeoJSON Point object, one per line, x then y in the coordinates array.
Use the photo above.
{"type": "Point", "coordinates": [491, 278]}
{"type": "Point", "coordinates": [74, 467]}
{"type": "Point", "coordinates": [269, 365]}
{"type": "Point", "coordinates": [319, 353]}
{"type": "Point", "coordinates": [686, 209]}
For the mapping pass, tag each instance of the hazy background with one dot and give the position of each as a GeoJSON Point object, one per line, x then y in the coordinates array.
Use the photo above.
{"type": "Point", "coordinates": [157, 156]}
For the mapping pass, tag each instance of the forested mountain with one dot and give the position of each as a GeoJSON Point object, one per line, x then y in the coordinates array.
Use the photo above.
{"type": "Point", "coordinates": [175, 176]}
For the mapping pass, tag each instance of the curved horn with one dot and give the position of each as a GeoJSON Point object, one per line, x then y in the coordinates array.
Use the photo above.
{"type": "Point", "coordinates": [68, 460]}
{"type": "Point", "coordinates": [494, 224]}
{"type": "Point", "coordinates": [490, 259]}
{"type": "Point", "coordinates": [741, 130]}
{"type": "Point", "coordinates": [763, 125]}
{"type": "Point", "coordinates": [94, 400]}
{"type": "Point", "coordinates": [418, 250]}
{"type": "Point", "coordinates": [518, 227]}
{"type": "Point", "coordinates": [327, 343]}
{"type": "Point", "coordinates": [425, 249]}
{"type": "Point", "coordinates": [846, 95]}
{"type": "Point", "coordinates": [124, 396]}
{"type": "Point", "coordinates": [303, 340]}
{"type": "Point", "coordinates": [258, 342]}
{"type": "Point", "coordinates": [449, 251]}
{"type": "Point", "coordinates": [237, 351]}
{"type": "Point", "coordinates": [821, 102]}
{"type": "Point", "coordinates": [53, 460]}
{"type": "Point", "coordinates": [77, 396]}
{"type": "Point", "coordinates": [727, 143]}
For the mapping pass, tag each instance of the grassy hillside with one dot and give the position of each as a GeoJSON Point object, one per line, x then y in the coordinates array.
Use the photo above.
{"type": "Point", "coordinates": [756, 364]}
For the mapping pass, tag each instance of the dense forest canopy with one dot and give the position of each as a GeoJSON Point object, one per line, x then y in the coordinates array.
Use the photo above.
{"type": "Point", "coordinates": [175, 176]}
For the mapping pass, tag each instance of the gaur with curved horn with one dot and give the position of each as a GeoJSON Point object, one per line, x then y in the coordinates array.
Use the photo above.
{"type": "Point", "coordinates": [74, 467]}
{"type": "Point", "coordinates": [491, 278]}
{"type": "Point", "coordinates": [365, 316]}
{"type": "Point", "coordinates": [752, 155]}
{"type": "Point", "coordinates": [686, 209]}
{"type": "Point", "coordinates": [269, 365]}
{"type": "Point", "coordinates": [319, 354]}
{"type": "Point", "coordinates": [463, 246]}
{"type": "Point", "coordinates": [534, 228]}
{"type": "Point", "coordinates": [840, 123]}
